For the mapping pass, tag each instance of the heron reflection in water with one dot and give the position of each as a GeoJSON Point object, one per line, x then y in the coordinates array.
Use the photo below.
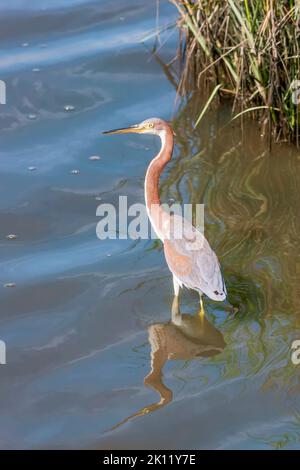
{"type": "Point", "coordinates": [189, 257]}
{"type": "Point", "coordinates": [185, 337]}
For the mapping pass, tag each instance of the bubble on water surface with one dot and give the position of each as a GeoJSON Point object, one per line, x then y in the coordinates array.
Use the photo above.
{"type": "Point", "coordinates": [32, 116]}
{"type": "Point", "coordinates": [11, 236]}
{"type": "Point", "coordinates": [69, 107]}
{"type": "Point", "coordinates": [75, 172]}
{"type": "Point", "coordinates": [31, 168]}
{"type": "Point", "coordinates": [94, 157]}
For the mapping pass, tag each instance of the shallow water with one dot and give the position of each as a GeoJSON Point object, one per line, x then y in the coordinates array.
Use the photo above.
{"type": "Point", "coordinates": [87, 319]}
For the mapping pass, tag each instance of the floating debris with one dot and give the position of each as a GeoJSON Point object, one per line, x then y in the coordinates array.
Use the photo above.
{"type": "Point", "coordinates": [31, 168]}
{"type": "Point", "coordinates": [75, 172]}
{"type": "Point", "coordinates": [32, 117]}
{"type": "Point", "coordinates": [36, 69]}
{"type": "Point", "coordinates": [94, 157]}
{"type": "Point", "coordinates": [9, 284]}
{"type": "Point", "coordinates": [69, 108]}
{"type": "Point", "coordinates": [11, 236]}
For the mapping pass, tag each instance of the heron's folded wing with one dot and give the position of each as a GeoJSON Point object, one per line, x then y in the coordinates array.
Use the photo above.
{"type": "Point", "coordinates": [194, 261]}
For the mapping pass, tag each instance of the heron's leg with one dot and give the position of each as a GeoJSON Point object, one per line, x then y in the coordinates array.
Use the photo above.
{"type": "Point", "coordinates": [175, 304]}
{"type": "Point", "coordinates": [176, 286]}
{"type": "Point", "coordinates": [201, 311]}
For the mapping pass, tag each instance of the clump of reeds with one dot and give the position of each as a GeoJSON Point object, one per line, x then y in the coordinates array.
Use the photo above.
{"type": "Point", "coordinates": [247, 50]}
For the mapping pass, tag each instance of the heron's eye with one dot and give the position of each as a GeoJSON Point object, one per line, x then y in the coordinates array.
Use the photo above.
{"type": "Point", "coordinates": [150, 125]}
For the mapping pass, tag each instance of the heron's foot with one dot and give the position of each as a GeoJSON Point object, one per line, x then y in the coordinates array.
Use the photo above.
{"type": "Point", "coordinates": [201, 312]}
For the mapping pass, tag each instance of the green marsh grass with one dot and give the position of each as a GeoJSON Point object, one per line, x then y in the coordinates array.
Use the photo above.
{"type": "Point", "coordinates": [247, 52]}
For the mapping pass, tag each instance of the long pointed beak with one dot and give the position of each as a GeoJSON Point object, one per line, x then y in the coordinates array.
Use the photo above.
{"type": "Point", "coordinates": [124, 130]}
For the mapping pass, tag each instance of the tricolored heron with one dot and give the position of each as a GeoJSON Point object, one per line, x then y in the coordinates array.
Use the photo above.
{"type": "Point", "coordinates": [196, 269]}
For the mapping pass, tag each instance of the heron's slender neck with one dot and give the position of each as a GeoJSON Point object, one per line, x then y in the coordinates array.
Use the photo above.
{"type": "Point", "coordinates": [154, 171]}
{"type": "Point", "coordinates": [156, 167]}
